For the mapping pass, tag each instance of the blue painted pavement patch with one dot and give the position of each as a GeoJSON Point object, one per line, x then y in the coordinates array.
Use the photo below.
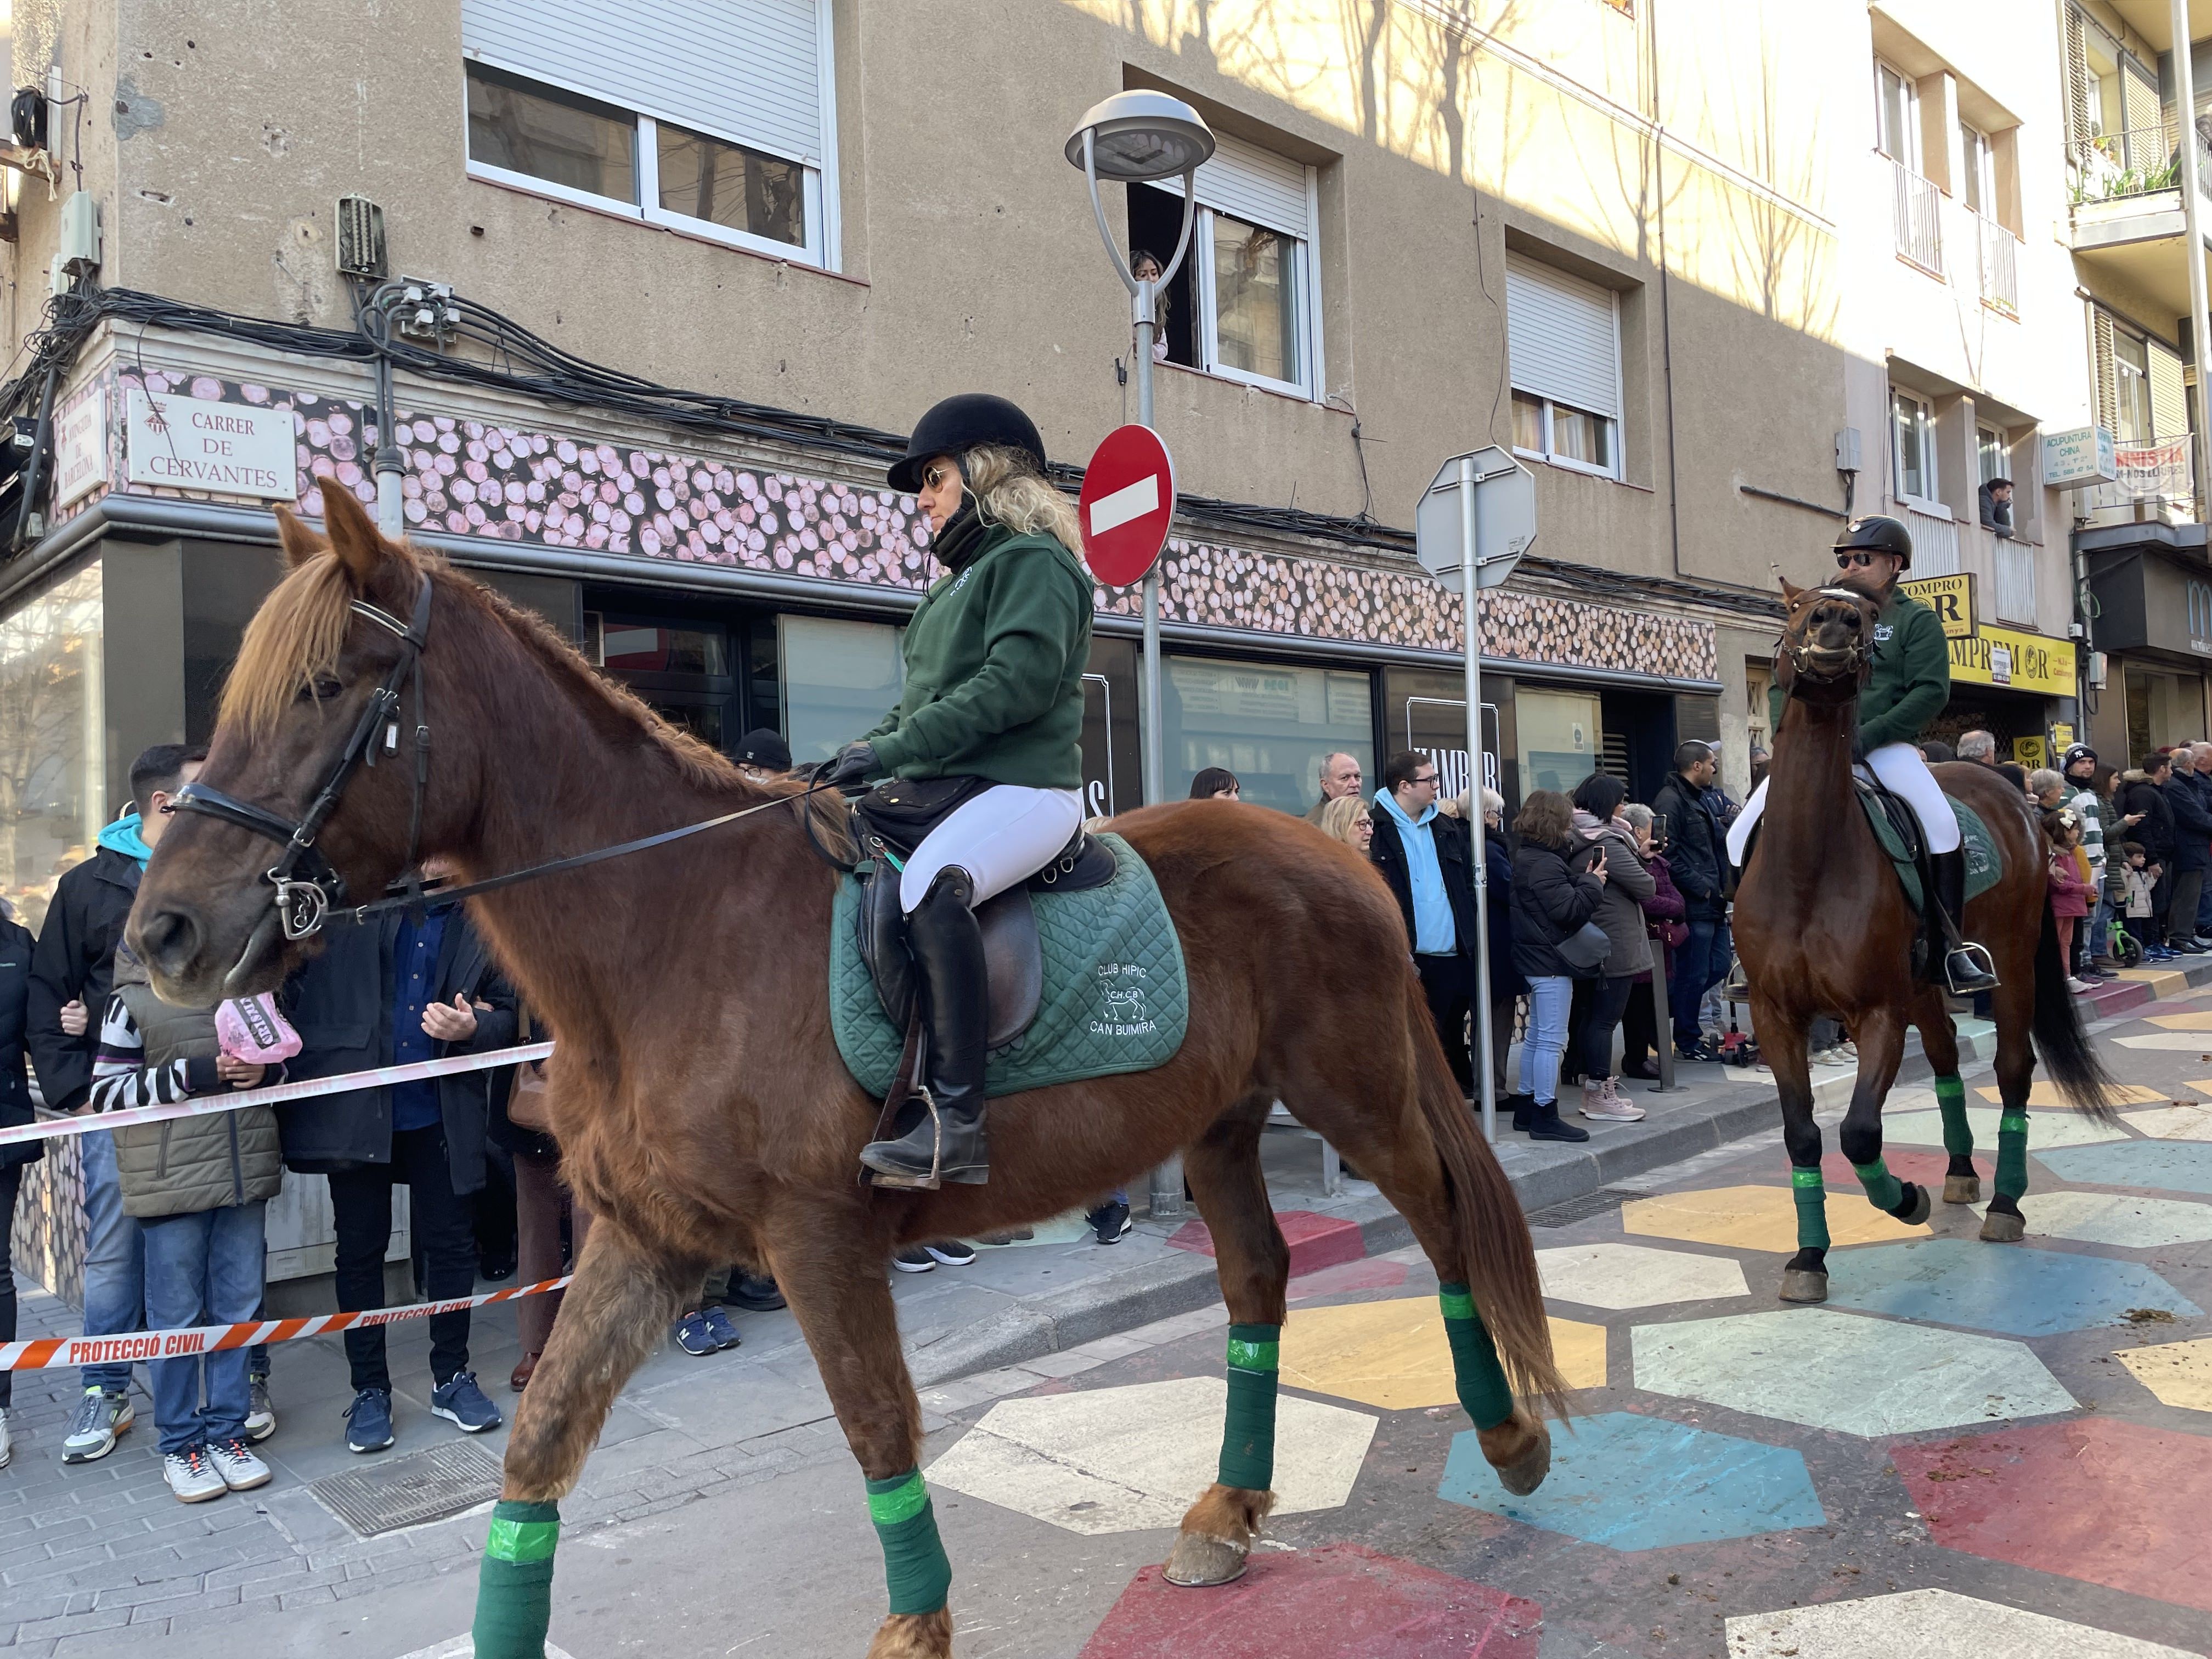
{"type": "Point", "coordinates": [2177, 1166]}
{"type": "Point", "coordinates": [1632, 1482]}
{"type": "Point", "coordinates": [2019, 1290]}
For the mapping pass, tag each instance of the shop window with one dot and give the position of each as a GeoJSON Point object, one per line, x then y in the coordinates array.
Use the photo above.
{"type": "Point", "coordinates": [52, 751]}
{"type": "Point", "coordinates": [840, 678]}
{"type": "Point", "coordinates": [1561, 738]}
{"type": "Point", "coordinates": [1426, 711]}
{"type": "Point", "coordinates": [1270, 724]}
{"type": "Point", "coordinates": [682, 669]}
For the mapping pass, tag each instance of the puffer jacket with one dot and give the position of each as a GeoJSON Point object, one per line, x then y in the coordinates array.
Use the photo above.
{"type": "Point", "coordinates": [1627, 885]}
{"type": "Point", "coordinates": [2155, 832]}
{"type": "Point", "coordinates": [189, 1165]}
{"type": "Point", "coordinates": [1551, 900]}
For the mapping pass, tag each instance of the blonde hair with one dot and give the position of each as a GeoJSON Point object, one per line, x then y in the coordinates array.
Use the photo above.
{"type": "Point", "coordinates": [1009, 490]}
{"type": "Point", "coordinates": [1339, 819]}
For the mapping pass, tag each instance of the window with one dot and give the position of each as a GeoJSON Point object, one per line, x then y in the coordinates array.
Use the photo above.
{"type": "Point", "coordinates": [711, 116]}
{"type": "Point", "coordinates": [681, 668]}
{"type": "Point", "coordinates": [1897, 117]}
{"type": "Point", "coordinates": [2131, 388]}
{"type": "Point", "coordinates": [1989, 451]}
{"type": "Point", "coordinates": [1912, 442]}
{"type": "Point", "coordinates": [1561, 737]}
{"type": "Point", "coordinates": [1563, 338]}
{"type": "Point", "coordinates": [53, 784]}
{"type": "Point", "coordinates": [1979, 189]}
{"type": "Point", "coordinates": [839, 680]}
{"type": "Point", "coordinates": [1269, 724]}
{"type": "Point", "coordinates": [1243, 305]}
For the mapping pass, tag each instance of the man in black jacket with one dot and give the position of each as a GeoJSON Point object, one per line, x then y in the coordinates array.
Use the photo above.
{"type": "Point", "coordinates": [2143, 791]}
{"type": "Point", "coordinates": [2192, 849]}
{"type": "Point", "coordinates": [383, 995]}
{"type": "Point", "coordinates": [1697, 856]}
{"type": "Point", "coordinates": [1424, 856]}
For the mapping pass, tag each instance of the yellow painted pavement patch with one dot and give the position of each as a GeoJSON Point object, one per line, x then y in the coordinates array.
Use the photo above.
{"type": "Point", "coordinates": [2179, 1373]}
{"type": "Point", "coordinates": [1394, 1355]}
{"type": "Point", "coordinates": [1758, 1219]}
{"type": "Point", "coordinates": [2163, 981]}
{"type": "Point", "coordinates": [2183, 1122]}
{"type": "Point", "coordinates": [2198, 1022]}
{"type": "Point", "coordinates": [2179, 1042]}
{"type": "Point", "coordinates": [2045, 1092]}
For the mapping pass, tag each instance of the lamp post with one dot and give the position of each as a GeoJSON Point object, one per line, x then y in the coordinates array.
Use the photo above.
{"type": "Point", "coordinates": [1141, 138]}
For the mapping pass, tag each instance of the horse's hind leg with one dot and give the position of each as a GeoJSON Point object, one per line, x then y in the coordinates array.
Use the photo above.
{"type": "Point", "coordinates": [1782, 1042]}
{"type": "Point", "coordinates": [613, 1314]}
{"type": "Point", "coordinates": [2013, 1005]}
{"type": "Point", "coordinates": [1939, 1041]}
{"type": "Point", "coordinates": [1253, 1265]}
{"type": "Point", "coordinates": [1880, 1038]}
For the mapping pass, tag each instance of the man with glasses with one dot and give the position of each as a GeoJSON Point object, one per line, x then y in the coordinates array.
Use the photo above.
{"type": "Point", "coordinates": [1909, 683]}
{"type": "Point", "coordinates": [1426, 858]}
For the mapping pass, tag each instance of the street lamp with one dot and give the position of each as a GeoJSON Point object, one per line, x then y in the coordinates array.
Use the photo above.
{"type": "Point", "coordinates": [1139, 137]}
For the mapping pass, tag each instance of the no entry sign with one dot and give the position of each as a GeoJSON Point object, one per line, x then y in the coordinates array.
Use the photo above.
{"type": "Point", "coordinates": [1129, 498]}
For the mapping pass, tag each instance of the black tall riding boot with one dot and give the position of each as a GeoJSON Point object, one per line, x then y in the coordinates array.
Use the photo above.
{"type": "Point", "coordinates": [1966, 968]}
{"type": "Point", "coordinates": [947, 1143]}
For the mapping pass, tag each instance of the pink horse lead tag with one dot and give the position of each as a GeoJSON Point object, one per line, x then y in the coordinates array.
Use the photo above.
{"type": "Point", "coordinates": [250, 1029]}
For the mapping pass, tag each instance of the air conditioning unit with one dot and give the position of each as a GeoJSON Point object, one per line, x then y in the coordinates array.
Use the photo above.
{"type": "Point", "coordinates": [360, 238]}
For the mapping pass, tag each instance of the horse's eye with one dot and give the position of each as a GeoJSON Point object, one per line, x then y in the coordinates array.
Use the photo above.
{"type": "Point", "coordinates": [322, 689]}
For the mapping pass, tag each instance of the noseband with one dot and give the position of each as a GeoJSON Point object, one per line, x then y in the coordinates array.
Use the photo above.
{"type": "Point", "coordinates": [308, 887]}
{"type": "Point", "coordinates": [1800, 653]}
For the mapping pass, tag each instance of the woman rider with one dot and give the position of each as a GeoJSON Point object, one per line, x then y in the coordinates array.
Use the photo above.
{"type": "Point", "coordinates": [1909, 685]}
{"type": "Point", "coordinates": [994, 662]}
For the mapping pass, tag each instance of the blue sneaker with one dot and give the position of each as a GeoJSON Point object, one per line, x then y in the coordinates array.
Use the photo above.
{"type": "Point", "coordinates": [461, 1402]}
{"type": "Point", "coordinates": [719, 1328]}
{"type": "Point", "coordinates": [695, 1336]}
{"type": "Point", "coordinates": [369, 1421]}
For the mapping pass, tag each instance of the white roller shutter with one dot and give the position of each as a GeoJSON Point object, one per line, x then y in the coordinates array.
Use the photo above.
{"type": "Point", "coordinates": [1564, 336]}
{"type": "Point", "coordinates": [1255, 185]}
{"type": "Point", "coordinates": [747, 70]}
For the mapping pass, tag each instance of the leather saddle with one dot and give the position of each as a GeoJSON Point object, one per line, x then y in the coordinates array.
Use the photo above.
{"type": "Point", "coordinates": [1012, 956]}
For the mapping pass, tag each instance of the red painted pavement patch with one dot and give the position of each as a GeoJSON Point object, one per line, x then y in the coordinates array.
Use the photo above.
{"type": "Point", "coordinates": [2094, 1500]}
{"type": "Point", "coordinates": [1907, 1163]}
{"type": "Point", "coordinates": [1316, 1241]}
{"type": "Point", "coordinates": [1372, 1274]}
{"type": "Point", "coordinates": [2115, 996]}
{"type": "Point", "coordinates": [1340, 1602]}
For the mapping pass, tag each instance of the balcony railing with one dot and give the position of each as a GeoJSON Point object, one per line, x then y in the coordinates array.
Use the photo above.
{"type": "Point", "coordinates": [2156, 480]}
{"type": "Point", "coordinates": [1934, 544]}
{"type": "Point", "coordinates": [2131, 161]}
{"type": "Point", "coordinates": [2015, 583]}
{"type": "Point", "coordinates": [2000, 264]}
{"type": "Point", "coordinates": [1919, 221]}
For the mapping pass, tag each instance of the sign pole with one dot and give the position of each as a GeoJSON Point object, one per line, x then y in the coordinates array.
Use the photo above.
{"type": "Point", "coordinates": [1166, 1184]}
{"type": "Point", "coordinates": [1471, 604]}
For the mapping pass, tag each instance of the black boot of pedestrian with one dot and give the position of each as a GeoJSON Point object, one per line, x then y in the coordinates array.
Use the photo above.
{"type": "Point", "coordinates": [1544, 1124]}
{"type": "Point", "coordinates": [1966, 968]}
{"type": "Point", "coordinates": [947, 1143]}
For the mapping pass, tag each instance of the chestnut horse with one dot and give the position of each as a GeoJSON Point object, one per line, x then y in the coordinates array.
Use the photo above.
{"type": "Point", "coordinates": [701, 1109]}
{"type": "Point", "coordinates": [1825, 931]}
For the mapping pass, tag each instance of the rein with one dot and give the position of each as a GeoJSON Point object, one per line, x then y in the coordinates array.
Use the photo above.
{"type": "Point", "coordinates": [310, 891]}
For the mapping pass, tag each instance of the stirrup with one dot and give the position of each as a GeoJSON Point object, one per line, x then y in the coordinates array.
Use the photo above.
{"type": "Point", "coordinates": [1981, 970]}
{"type": "Point", "coordinates": [930, 1183]}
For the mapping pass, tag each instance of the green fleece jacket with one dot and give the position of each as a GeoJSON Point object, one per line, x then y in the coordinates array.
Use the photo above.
{"type": "Point", "coordinates": [1911, 678]}
{"type": "Point", "coordinates": [994, 661]}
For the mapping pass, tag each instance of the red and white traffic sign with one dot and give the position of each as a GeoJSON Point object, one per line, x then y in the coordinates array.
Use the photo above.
{"type": "Point", "coordinates": [1129, 499]}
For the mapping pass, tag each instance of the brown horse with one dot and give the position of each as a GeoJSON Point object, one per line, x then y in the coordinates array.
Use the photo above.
{"type": "Point", "coordinates": [702, 1108]}
{"type": "Point", "coordinates": [1824, 930]}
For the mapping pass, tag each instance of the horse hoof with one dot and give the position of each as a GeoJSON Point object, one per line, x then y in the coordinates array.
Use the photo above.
{"type": "Point", "coordinates": [1802, 1285]}
{"type": "Point", "coordinates": [1523, 1456]}
{"type": "Point", "coordinates": [1921, 1206]}
{"type": "Point", "coordinates": [1198, 1561]}
{"type": "Point", "coordinates": [914, 1635]}
{"type": "Point", "coordinates": [1998, 1228]}
{"type": "Point", "coordinates": [1962, 1189]}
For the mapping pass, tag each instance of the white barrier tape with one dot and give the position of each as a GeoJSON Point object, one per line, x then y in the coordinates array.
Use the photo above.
{"type": "Point", "coordinates": [276, 1094]}
{"type": "Point", "coordinates": [50, 1352]}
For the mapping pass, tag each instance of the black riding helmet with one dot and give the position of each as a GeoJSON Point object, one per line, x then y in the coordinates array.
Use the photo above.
{"type": "Point", "coordinates": [959, 423]}
{"type": "Point", "coordinates": [1877, 534]}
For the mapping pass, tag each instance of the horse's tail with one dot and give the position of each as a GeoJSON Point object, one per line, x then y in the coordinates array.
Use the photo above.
{"type": "Point", "coordinates": [1496, 1256]}
{"type": "Point", "coordinates": [2060, 1042]}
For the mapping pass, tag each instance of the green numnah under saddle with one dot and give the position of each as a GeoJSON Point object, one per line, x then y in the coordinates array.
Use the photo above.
{"type": "Point", "coordinates": [1985, 866]}
{"type": "Point", "coordinates": [1116, 997]}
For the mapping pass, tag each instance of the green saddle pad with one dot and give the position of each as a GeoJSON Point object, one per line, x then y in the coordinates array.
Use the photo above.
{"type": "Point", "coordinates": [1116, 997]}
{"type": "Point", "coordinates": [1985, 866]}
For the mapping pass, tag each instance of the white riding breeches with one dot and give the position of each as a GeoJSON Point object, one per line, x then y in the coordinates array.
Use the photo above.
{"type": "Point", "coordinates": [1005, 834]}
{"type": "Point", "coordinates": [1902, 770]}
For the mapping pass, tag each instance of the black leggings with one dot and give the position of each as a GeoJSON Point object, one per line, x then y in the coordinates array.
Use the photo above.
{"type": "Point", "coordinates": [11, 1182]}
{"type": "Point", "coordinates": [1608, 997]}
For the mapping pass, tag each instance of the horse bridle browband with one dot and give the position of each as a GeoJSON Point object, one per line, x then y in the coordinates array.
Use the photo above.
{"type": "Point", "coordinates": [308, 887]}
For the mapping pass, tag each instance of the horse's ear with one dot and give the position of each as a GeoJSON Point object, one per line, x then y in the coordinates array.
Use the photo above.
{"type": "Point", "coordinates": [352, 537]}
{"type": "Point", "coordinates": [300, 542]}
{"type": "Point", "coordinates": [1789, 594]}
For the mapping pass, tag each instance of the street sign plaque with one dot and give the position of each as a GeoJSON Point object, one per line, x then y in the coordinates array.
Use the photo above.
{"type": "Point", "coordinates": [1127, 502]}
{"type": "Point", "coordinates": [1505, 519]}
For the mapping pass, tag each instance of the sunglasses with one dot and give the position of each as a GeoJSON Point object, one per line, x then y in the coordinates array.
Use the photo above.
{"type": "Point", "coordinates": [1845, 561]}
{"type": "Point", "coordinates": [935, 477]}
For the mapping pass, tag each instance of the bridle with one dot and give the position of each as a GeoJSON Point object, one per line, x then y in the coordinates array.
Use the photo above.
{"type": "Point", "coordinates": [1798, 652]}
{"type": "Point", "coordinates": [308, 887]}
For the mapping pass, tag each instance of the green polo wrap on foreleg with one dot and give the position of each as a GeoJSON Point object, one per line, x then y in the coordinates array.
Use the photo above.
{"type": "Point", "coordinates": [1248, 1430]}
{"type": "Point", "coordinates": [1958, 1133]}
{"type": "Point", "coordinates": [514, 1586]}
{"type": "Point", "coordinates": [1483, 1393]}
{"type": "Point", "coordinates": [2012, 1155]}
{"type": "Point", "coordinates": [1883, 1190]}
{"type": "Point", "coordinates": [1812, 1209]}
{"type": "Point", "coordinates": [916, 1571]}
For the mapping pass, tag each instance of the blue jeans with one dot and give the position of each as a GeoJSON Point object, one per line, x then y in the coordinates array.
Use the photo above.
{"type": "Point", "coordinates": [1550, 998]}
{"type": "Point", "coordinates": [1700, 963]}
{"type": "Point", "coordinates": [202, 1268]}
{"type": "Point", "coordinates": [115, 1263]}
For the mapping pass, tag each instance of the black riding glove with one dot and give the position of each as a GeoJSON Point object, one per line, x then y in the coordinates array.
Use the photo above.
{"type": "Point", "coordinates": [854, 762]}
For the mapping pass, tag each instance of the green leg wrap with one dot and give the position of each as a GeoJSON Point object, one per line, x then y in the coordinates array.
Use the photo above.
{"type": "Point", "coordinates": [915, 1568]}
{"type": "Point", "coordinates": [1812, 1209]}
{"type": "Point", "coordinates": [1248, 1432]}
{"type": "Point", "coordinates": [1958, 1133]}
{"type": "Point", "coordinates": [2012, 1155]}
{"type": "Point", "coordinates": [1483, 1393]}
{"type": "Point", "coordinates": [1883, 1190]}
{"type": "Point", "coordinates": [514, 1588]}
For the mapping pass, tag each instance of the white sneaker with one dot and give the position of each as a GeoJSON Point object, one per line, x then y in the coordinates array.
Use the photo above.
{"type": "Point", "coordinates": [1609, 1105]}
{"type": "Point", "coordinates": [192, 1475]}
{"type": "Point", "coordinates": [261, 1416]}
{"type": "Point", "coordinates": [7, 1445]}
{"type": "Point", "coordinates": [239, 1468]}
{"type": "Point", "coordinates": [101, 1417]}
{"type": "Point", "coordinates": [2077, 987]}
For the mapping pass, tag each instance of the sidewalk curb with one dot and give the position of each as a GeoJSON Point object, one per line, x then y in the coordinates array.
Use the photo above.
{"type": "Point", "coordinates": [1161, 1289]}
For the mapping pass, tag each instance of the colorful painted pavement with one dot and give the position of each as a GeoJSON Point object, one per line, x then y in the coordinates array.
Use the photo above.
{"type": "Point", "coordinates": [2001, 1452]}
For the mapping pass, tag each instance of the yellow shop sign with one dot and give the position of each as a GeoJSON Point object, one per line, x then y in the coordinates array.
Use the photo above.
{"type": "Point", "coordinates": [2019, 661]}
{"type": "Point", "coordinates": [1952, 599]}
